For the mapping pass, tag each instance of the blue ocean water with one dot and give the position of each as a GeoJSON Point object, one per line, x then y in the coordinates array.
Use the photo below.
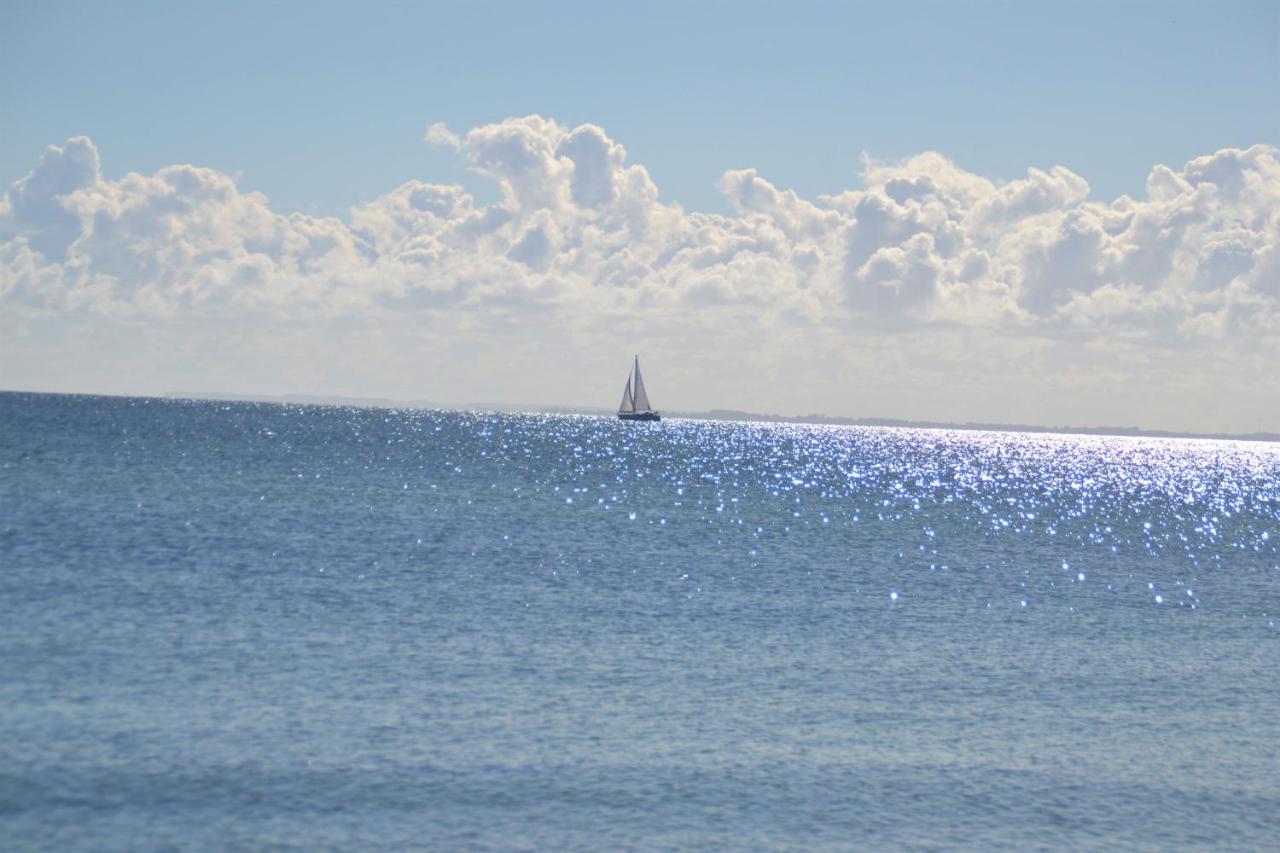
{"type": "Point", "coordinates": [247, 626]}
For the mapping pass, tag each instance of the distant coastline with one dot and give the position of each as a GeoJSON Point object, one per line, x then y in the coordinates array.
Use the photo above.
{"type": "Point", "coordinates": [728, 415]}
{"type": "Point", "coordinates": [711, 415]}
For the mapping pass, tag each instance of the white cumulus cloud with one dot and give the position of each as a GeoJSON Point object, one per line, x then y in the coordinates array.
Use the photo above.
{"type": "Point", "coordinates": [581, 250]}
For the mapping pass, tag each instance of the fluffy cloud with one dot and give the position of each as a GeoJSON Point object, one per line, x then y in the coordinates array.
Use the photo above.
{"type": "Point", "coordinates": [35, 207]}
{"type": "Point", "coordinates": [580, 240]}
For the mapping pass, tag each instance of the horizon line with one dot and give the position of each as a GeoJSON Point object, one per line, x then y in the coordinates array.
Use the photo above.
{"type": "Point", "coordinates": [726, 415]}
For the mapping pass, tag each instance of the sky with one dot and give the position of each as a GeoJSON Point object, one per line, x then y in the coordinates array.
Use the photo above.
{"type": "Point", "coordinates": [1055, 214]}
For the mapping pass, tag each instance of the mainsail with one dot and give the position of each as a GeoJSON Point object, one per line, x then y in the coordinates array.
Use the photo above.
{"type": "Point", "coordinates": [641, 400]}
{"type": "Point", "coordinates": [628, 404]}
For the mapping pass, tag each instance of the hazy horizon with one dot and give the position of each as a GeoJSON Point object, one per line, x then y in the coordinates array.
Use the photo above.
{"type": "Point", "coordinates": [1116, 430]}
{"type": "Point", "coordinates": [846, 211]}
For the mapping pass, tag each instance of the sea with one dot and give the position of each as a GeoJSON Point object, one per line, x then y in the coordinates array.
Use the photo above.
{"type": "Point", "coordinates": [252, 626]}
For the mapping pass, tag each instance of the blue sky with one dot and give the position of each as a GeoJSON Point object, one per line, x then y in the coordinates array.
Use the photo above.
{"type": "Point", "coordinates": [322, 106]}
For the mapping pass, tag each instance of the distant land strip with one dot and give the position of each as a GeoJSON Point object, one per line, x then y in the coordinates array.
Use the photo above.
{"type": "Point", "coordinates": [722, 415]}
{"type": "Point", "coordinates": [712, 415]}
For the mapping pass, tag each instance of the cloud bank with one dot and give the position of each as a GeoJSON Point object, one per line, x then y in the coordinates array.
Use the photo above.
{"type": "Point", "coordinates": [1025, 297]}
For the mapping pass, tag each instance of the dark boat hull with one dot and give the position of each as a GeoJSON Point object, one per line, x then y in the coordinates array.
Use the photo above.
{"type": "Point", "coordinates": [639, 416]}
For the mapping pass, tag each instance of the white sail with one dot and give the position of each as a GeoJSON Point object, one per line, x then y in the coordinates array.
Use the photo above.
{"type": "Point", "coordinates": [628, 405]}
{"type": "Point", "coordinates": [641, 399]}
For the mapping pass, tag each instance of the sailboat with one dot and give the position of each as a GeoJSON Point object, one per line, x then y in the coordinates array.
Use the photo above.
{"type": "Point", "coordinates": [635, 402]}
